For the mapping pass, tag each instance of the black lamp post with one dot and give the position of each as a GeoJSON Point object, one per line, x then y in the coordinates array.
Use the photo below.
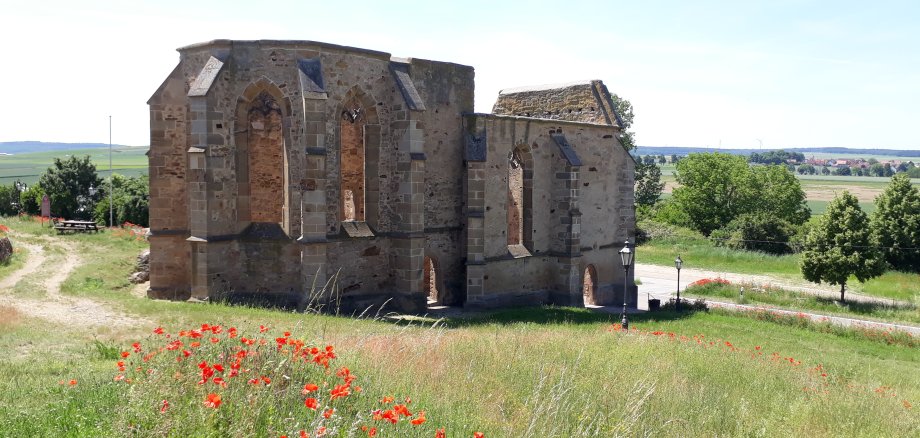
{"type": "Point", "coordinates": [677, 264]}
{"type": "Point", "coordinates": [626, 256]}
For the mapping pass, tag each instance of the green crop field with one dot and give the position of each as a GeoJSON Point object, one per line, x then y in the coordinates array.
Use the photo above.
{"type": "Point", "coordinates": [128, 161]}
{"type": "Point", "coordinates": [819, 189]}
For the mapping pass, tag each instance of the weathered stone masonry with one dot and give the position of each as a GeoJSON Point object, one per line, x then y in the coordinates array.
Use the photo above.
{"type": "Point", "coordinates": [304, 172]}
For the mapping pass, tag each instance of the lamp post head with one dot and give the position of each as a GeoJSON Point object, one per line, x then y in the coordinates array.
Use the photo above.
{"type": "Point", "coordinates": [626, 256]}
{"type": "Point", "coordinates": [678, 262]}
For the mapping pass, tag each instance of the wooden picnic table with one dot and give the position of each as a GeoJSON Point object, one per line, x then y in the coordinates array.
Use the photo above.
{"type": "Point", "coordinates": [75, 226]}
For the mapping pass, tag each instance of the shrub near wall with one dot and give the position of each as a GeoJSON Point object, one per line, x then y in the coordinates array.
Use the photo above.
{"type": "Point", "coordinates": [756, 232]}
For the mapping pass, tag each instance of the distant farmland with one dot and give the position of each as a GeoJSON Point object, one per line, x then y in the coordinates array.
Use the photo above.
{"type": "Point", "coordinates": [26, 167]}
{"type": "Point", "coordinates": [819, 189]}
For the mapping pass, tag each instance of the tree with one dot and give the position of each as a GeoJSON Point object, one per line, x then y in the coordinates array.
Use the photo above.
{"type": "Point", "coordinates": [756, 232]}
{"type": "Point", "coordinates": [662, 159]}
{"type": "Point", "coordinates": [624, 110]}
{"type": "Point", "coordinates": [877, 169]}
{"type": "Point", "coordinates": [649, 159]}
{"type": "Point", "coordinates": [777, 157]}
{"type": "Point", "coordinates": [9, 200]}
{"type": "Point", "coordinates": [30, 200]}
{"type": "Point", "coordinates": [843, 171]}
{"type": "Point", "coordinates": [131, 199]}
{"type": "Point", "coordinates": [648, 184]}
{"type": "Point", "coordinates": [715, 188]}
{"type": "Point", "coordinates": [840, 246]}
{"type": "Point", "coordinates": [674, 158]}
{"type": "Point", "coordinates": [888, 171]}
{"type": "Point", "coordinates": [825, 171]}
{"type": "Point", "coordinates": [896, 224]}
{"type": "Point", "coordinates": [67, 183]}
{"type": "Point", "coordinates": [779, 194]}
{"type": "Point", "coordinates": [806, 169]}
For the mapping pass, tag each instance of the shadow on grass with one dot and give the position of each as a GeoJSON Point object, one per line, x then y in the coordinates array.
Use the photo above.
{"type": "Point", "coordinates": [553, 315]}
{"type": "Point", "coordinates": [865, 308]}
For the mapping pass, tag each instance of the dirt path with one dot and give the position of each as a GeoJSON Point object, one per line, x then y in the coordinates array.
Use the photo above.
{"type": "Point", "coordinates": [54, 307]}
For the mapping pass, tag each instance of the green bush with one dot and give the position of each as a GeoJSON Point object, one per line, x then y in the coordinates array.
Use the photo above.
{"type": "Point", "coordinates": [756, 232]}
{"type": "Point", "coordinates": [131, 201]}
{"type": "Point", "coordinates": [669, 212]}
{"type": "Point", "coordinates": [9, 200]}
{"type": "Point", "coordinates": [30, 200]}
{"type": "Point", "coordinates": [68, 184]}
{"type": "Point", "coordinates": [649, 229]}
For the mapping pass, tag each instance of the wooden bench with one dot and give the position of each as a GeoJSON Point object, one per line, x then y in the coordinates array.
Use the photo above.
{"type": "Point", "coordinates": [75, 226]}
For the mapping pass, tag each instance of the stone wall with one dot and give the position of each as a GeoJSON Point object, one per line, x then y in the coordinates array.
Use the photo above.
{"type": "Point", "coordinates": [261, 185]}
{"type": "Point", "coordinates": [579, 215]}
{"type": "Point", "coordinates": [587, 101]}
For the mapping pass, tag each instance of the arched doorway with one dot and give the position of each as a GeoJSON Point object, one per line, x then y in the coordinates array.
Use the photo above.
{"type": "Point", "coordinates": [589, 287]}
{"type": "Point", "coordinates": [431, 282]}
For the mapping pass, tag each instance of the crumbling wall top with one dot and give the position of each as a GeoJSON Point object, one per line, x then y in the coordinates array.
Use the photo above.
{"type": "Point", "coordinates": [585, 101]}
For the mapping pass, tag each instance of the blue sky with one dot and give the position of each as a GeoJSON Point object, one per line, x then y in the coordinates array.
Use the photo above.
{"type": "Point", "coordinates": [704, 73]}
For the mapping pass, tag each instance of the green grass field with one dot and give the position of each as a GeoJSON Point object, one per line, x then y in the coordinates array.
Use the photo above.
{"type": "Point", "coordinates": [547, 372]}
{"type": "Point", "coordinates": [699, 252]}
{"type": "Point", "coordinates": [128, 161]}
{"type": "Point", "coordinates": [785, 299]}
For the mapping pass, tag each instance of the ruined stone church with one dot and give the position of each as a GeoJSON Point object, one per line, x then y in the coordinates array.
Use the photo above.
{"type": "Point", "coordinates": [304, 172]}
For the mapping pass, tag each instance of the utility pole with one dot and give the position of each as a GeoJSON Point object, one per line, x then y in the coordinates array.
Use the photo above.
{"type": "Point", "coordinates": [111, 179]}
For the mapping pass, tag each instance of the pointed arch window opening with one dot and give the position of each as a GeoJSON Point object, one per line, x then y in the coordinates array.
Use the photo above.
{"type": "Point", "coordinates": [352, 153]}
{"type": "Point", "coordinates": [267, 159]}
{"type": "Point", "coordinates": [515, 199]}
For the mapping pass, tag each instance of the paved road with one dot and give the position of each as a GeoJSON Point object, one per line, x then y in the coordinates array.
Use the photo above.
{"type": "Point", "coordinates": [661, 282]}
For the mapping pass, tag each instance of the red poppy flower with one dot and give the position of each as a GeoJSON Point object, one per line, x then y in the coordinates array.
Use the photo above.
{"type": "Point", "coordinates": [328, 413]}
{"type": "Point", "coordinates": [340, 391]}
{"type": "Point", "coordinates": [419, 419]}
{"type": "Point", "coordinates": [213, 401]}
{"type": "Point", "coordinates": [478, 435]}
{"type": "Point", "coordinates": [308, 388]}
{"type": "Point", "coordinates": [440, 433]}
{"type": "Point", "coordinates": [310, 403]}
{"type": "Point", "coordinates": [164, 406]}
{"type": "Point", "coordinates": [402, 410]}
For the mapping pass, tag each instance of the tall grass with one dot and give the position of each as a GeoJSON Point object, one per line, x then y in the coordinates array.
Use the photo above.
{"type": "Point", "coordinates": [781, 298]}
{"type": "Point", "coordinates": [699, 252]}
{"type": "Point", "coordinates": [524, 372]}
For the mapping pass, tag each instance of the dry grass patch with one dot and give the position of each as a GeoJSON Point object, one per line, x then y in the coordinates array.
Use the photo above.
{"type": "Point", "coordinates": [9, 317]}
